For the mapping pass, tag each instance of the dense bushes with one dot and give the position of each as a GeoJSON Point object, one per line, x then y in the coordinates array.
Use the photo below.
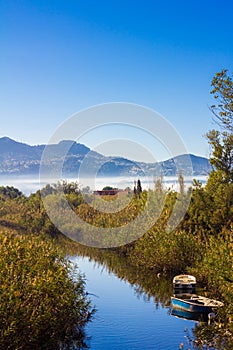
{"type": "Point", "coordinates": [166, 252]}
{"type": "Point", "coordinates": [42, 304]}
{"type": "Point", "coordinates": [201, 244]}
{"type": "Point", "coordinates": [214, 271]}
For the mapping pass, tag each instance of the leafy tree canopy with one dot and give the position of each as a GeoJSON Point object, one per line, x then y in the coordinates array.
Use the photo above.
{"type": "Point", "coordinates": [221, 141]}
{"type": "Point", "coordinates": [223, 92]}
{"type": "Point", "coordinates": [10, 191]}
{"type": "Point", "coordinates": [108, 188]}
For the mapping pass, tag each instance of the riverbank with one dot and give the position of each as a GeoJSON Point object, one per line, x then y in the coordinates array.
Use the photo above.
{"type": "Point", "coordinates": [209, 273]}
{"type": "Point", "coordinates": [43, 299]}
{"type": "Point", "coordinates": [201, 243]}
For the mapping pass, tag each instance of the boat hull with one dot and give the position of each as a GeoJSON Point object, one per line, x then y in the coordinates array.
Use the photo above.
{"type": "Point", "coordinates": [190, 306]}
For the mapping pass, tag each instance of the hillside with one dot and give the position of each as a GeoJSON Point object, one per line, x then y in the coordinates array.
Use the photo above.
{"type": "Point", "coordinates": [18, 158]}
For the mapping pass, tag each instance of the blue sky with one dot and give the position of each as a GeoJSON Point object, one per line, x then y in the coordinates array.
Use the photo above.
{"type": "Point", "coordinates": [62, 56]}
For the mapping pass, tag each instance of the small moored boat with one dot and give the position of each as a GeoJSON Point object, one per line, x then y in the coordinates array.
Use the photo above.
{"type": "Point", "coordinates": [195, 303]}
{"type": "Point", "coordinates": [184, 282]}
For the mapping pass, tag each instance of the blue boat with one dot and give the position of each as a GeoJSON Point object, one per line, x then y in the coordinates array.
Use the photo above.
{"type": "Point", "coordinates": [195, 303]}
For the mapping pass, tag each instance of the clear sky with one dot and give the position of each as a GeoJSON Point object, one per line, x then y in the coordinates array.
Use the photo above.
{"type": "Point", "coordinates": [61, 56]}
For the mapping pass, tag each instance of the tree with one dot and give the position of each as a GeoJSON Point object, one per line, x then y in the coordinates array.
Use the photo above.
{"type": "Point", "coordinates": [139, 187]}
{"type": "Point", "coordinates": [223, 92]}
{"type": "Point", "coordinates": [108, 188]}
{"type": "Point", "coordinates": [221, 141]}
{"type": "Point", "coordinates": [159, 184]}
{"type": "Point", "coordinates": [10, 192]}
{"type": "Point", "coordinates": [222, 153]}
{"type": "Point", "coordinates": [68, 187]}
{"type": "Point", "coordinates": [181, 182]}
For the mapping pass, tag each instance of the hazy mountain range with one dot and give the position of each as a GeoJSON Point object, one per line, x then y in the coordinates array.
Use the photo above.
{"type": "Point", "coordinates": [18, 158]}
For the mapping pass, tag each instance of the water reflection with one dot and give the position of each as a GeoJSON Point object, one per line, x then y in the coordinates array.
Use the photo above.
{"type": "Point", "coordinates": [194, 316]}
{"type": "Point", "coordinates": [156, 291]}
{"type": "Point", "coordinates": [126, 319]}
{"type": "Point", "coordinates": [146, 284]}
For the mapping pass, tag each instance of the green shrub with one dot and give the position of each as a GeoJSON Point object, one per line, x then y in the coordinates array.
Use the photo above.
{"type": "Point", "coordinates": [42, 304]}
{"type": "Point", "coordinates": [167, 252]}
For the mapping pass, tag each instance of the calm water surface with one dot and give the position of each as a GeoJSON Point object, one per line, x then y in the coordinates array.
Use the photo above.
{"type": "Point", "coordinates": [126, 320]}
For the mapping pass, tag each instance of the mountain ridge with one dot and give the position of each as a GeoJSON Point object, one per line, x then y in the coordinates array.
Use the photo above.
{"type": "Point", "coordinates": [17, 158]}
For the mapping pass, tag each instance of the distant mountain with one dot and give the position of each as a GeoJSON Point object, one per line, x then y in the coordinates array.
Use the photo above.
{"type": "Point", "coordinates": [13, 150]}
{"type": "Point", "coordinates": [18, 158]}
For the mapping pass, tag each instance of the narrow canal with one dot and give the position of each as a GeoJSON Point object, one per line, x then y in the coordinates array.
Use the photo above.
{"type": "Point", "coordinates": [131, 317]}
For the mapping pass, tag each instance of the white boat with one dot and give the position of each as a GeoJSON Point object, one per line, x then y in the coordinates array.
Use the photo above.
{"type": "Point", "coordinates": [184, 282]}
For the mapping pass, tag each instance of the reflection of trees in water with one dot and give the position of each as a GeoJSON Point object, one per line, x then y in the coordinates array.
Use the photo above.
{"type": "Point", "coordinates": [148, 286]}
{"type": "Point", "coordinates": [145, 283]}
{"type": "Point", "coordinates": [157, 288]}
{"type": "Point", "coordinates": [79, 342]}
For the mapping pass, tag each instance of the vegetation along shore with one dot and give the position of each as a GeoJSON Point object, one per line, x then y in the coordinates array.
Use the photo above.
{"type": "Point", "coordinates": [43, 299]}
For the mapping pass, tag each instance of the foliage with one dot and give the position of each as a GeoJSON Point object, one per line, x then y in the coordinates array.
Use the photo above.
{"type": "Point", "coordinates": [223, 93]}
{"type": "Point", "coordinates": [222, 154]}
{"type": "Point", "coordinates": [211, 208]}
{"type": "Point", "coordinates": [215, 272]}
{"type": "Point", "coordinates": [108, 188]}
{"type": "Point", "coordinates": [43, 303]}
{"type": "Point", "coordinates": [90, 212]}
{"type": "Point", "coordinates": [165, 252]}
{"type": "Point", "coordinates": [42, 307]}
{"type": "Point", "coordinates": [68, 187]}
{"type": "Point", "coordinates": [201, 244]}
{"type": "Point", "coordinates": [137, 188]}
{"type": "Point", "coordinates": [10, 191]}
{"type": "Point", "coordinates": [221, 142]}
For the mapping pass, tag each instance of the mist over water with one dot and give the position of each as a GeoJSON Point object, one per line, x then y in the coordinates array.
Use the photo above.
{"type": "Point", "coordinates": [31, 184]}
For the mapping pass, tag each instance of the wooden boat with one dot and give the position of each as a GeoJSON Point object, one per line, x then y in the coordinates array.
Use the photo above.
{"type": "Point", "coordinates": [195, 303]}
{"type": "Point", "coordinates": [184, 282]}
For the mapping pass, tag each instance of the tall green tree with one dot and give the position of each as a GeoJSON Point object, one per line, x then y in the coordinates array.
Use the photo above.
{"type": "Point", "coordinates": [222, 153]}
{"type": "Point", "coordinates": [221, 140]}
{"type": "Point", "coordinates": [139, 187]}
{"type": "Point", "coordinates": [223, 93]}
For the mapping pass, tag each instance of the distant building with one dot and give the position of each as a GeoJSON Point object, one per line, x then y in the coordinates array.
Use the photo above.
{"type": "Point", "coordinates": [112, 192]}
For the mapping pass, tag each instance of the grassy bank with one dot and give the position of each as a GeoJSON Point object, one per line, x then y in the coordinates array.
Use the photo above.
{"type": "Point", "coordinates": [201, 244]}
{"type": "Point", "coordinates": [43, 302]}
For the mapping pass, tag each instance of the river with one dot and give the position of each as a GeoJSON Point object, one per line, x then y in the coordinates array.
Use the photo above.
{"type": "Point", "coordinates": [133, 307]}
{"type": "Point", "coordinates": [127, 317]}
